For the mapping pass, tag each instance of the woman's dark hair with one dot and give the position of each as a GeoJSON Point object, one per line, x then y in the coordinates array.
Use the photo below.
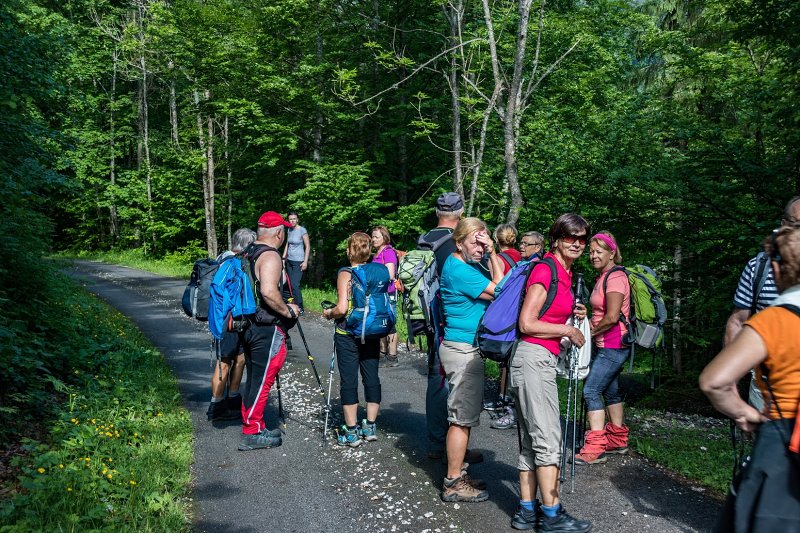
{"type": "Point", "coordinates": [567, 224]}
{"type": "Point", "coordinates": [783, 247]}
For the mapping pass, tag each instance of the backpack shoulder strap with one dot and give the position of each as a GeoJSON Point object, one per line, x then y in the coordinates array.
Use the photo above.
{"type": "Point", "coordinates": [508, 259]}
{"type": "Point", "coordinates": [793, 308]}
{"type": "Point", "coordinates": [617, 268]}
{"type": "Point", "coordinates": [759, 279]}
{"type": "Point", "coordinates": [423, 244]}
{"type": "Point", "coordinates": [552, 290]}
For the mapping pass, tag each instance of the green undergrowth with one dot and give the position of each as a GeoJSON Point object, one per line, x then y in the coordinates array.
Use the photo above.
{"type": "Point", "coordinates": [99, 436]}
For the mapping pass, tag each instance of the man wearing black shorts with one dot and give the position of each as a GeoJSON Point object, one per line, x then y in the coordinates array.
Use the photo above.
{"type": "Point", "coordinates": [231, 354]}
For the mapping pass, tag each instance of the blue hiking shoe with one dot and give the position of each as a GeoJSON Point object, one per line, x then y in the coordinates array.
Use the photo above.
{"type": "Point", "coordinates": [265, 439]}
{"type": "Point", "coordinates": [348, 437]}
{"type": "Point", "coordinates": [368, 431]}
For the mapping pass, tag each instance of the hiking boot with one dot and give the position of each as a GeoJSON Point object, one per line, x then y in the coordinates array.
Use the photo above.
{"type": "Point", "coordinates": [458, 490]}
{"type": "Point", "coordinates": [265, 439]}
{"type": "Point", "coordinates": [507, 421]}
{"type": "Point", "coordinates": [348, 437]}
{"type": "Point", "coordinates": [235, 406]}
{"type": "Point", "coordinates": [367, 431]}
{"type": "Point", "coordinates": [563, 522]}
{"type": "Point", "coordinates": [477, 484]}
{"type": "Point", "coordinates": [220, 411]}
{"type": "Point", "coordinates": [392, 361]}
{"type": "Point", "coordinates": [594, 447]}
{"type": "Point", "coordinates": [590, 458]}
{"type": "Point", "coordinates": [525, 519]}
{"type": "Point", "coordinates": [382, 360]}
{"type": "Point", "coordinates": [494, 405]}
{"type": "Point", "coordinates": [617, 439]}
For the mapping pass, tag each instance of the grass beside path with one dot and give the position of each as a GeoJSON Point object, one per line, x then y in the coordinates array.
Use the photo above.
{"type": "Point", "coordinates": [694, 446]}
{"type": "Point", "coordinates": [113, 450]}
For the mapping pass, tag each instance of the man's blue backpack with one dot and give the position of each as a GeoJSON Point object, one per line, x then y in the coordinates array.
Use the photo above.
{"type": "Point", "coordinates": [371, 314]}
{"type": "Point", "coordinates": [232, 299]}
{"type": "Point", "coordinates": [498, 331]}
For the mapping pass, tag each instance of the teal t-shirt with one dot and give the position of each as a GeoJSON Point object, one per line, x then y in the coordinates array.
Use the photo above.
{"type": "Point", "coordinates": [460, 285]}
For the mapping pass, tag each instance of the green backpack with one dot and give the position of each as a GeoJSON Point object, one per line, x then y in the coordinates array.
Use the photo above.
{"type": "Point", "coordinates": [648, 311]}
{"type": "Point", "coordinates": [419, 280]}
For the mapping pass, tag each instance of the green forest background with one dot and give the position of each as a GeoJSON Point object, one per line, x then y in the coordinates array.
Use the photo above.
{"type": "Point", "coordinates": [163, 126]}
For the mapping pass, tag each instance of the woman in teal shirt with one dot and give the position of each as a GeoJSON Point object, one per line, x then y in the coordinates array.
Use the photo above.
{"type": "Point", "coordinates": [465, 295]}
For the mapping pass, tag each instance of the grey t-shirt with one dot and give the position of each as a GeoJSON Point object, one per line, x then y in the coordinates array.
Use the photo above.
{"type": "Point", "coordinates": [294, 240]}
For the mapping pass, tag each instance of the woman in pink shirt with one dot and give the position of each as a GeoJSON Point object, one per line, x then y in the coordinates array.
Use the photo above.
{"type": "Point", "coordinates": [532, 374]}
{"type": "Point", "coordinates": [386, 255]}
{"type": "Point", "coordinates": [611, 304]}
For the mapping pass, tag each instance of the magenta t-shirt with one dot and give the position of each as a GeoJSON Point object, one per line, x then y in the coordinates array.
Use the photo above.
{"type": "Point", "coordinates": [617, 282]}
{"type": "Point", "coordinates": [561, 309]}
{"type": "Point", "coordinates": [386, 256]}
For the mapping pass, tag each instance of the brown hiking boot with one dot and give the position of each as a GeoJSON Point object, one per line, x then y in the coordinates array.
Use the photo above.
{"type": "Point", "coordinates": [458, 490]}
{"type": "Point", "coordinates": [478, 484]}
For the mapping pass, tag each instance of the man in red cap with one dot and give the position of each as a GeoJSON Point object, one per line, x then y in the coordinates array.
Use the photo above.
{"type": "Point", "coordinates": [264, 341]}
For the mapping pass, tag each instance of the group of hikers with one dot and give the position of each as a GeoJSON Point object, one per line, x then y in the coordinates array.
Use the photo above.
{"type": "Point", "coordinates": [470, 266]}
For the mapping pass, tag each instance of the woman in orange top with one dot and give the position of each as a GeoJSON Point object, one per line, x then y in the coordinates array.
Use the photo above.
{"type": "Point", "coordinates": [768, 496]}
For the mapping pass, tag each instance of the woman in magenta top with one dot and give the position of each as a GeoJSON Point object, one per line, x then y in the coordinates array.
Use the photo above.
{"type": "Point", "coordinates": [386, 255]}
{"type": "Point", "coordinates": [533, 379]}
{"type": "Point", "coordinates": [611, 304]}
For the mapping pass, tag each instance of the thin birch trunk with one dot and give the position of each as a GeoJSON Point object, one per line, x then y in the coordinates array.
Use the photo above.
{"type": "Point", "coordinates": [112, 164]}
{"type": "Point", "coordinates": [173, 105]}
{"type": "Point", "coordinates": [677, 353]}
{"type": "Point", "coordinates": [229, 180]}
{"type": "Point", "coordinates": [213, 246]}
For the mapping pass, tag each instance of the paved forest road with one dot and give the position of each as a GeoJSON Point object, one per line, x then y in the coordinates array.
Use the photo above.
{"type": "Point", "coordinates": [388, 485]}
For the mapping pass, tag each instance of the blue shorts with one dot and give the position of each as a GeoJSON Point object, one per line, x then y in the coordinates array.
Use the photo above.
{"type": "Point", "coordinates": [603, 378]}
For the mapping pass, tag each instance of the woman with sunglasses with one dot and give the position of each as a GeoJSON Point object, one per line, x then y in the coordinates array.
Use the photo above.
{"type": "Point", "coordinates": [768, 494]}
{"type": "Point", "coordinates": [611, 304]}
{"type": "Point", "coordinates": [533, 379]}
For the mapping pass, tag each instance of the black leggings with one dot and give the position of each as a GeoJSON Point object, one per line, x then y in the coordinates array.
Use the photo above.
{"type": "Point", "coordinates": [353, 356]}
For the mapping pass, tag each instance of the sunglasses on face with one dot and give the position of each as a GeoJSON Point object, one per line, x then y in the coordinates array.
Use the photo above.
{"type": "Point", "coordinates": [524, 244]}
{"type": "Point", "coordinates": [572, 239]}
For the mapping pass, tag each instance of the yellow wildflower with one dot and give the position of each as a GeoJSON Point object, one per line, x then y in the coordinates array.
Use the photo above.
{"type": "Point", "coordinates": [133, 482]}
{"type": "Point", "coordinates": [40, 470]}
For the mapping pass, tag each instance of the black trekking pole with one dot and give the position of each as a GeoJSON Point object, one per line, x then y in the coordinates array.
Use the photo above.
{"type": "Point", "coordinates": [310, 357]}
{"type": "Point", "coordinates": [281, 419]}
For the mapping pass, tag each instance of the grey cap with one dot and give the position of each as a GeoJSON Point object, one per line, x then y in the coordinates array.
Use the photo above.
{"type": "Point", "coordinates": [449, 202]}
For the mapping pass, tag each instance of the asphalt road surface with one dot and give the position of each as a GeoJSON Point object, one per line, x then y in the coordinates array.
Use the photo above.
{"type": "Point", "coordinates": [387, 485]}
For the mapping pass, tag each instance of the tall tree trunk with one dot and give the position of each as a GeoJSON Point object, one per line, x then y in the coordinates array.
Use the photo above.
{"type": "Point", "coordinates": [211, 227]}
{"type": "Point", "coordinates": [144, 120]}
{"type": "Point", "coordinates": [112, 164]}
{"type": "Point", "coordinates": [316, 154]}
{"type": "Point", "coordinates": [677, 353]}
{"type": "Point", "coordinates": [513, 109]}
{"type": "Point", "coordinates": [201, 142]}
{"type": "Point", "coordinates": [454, 14]}
{"type": "Point", "coordinates": [173, 105]}
{"type": "Point", "coordinates": [229, 181]}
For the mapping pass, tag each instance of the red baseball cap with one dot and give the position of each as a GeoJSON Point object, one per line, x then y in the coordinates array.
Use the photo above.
{"type": "Point", "coordinates": [271, 219]}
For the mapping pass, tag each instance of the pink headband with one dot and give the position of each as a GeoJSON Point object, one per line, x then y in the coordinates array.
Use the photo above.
{"type": "Point", "coordinates": [606, 239]}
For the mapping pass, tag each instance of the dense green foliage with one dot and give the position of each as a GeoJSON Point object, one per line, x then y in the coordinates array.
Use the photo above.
{"type": "Point", "coordinates": [163, 126]}
{"type": "Point", "coordinates": [105, 441]}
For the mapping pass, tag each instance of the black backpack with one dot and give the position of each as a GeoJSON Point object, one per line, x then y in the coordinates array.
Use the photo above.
{"type": "Point", "coordinates": [197, 292]}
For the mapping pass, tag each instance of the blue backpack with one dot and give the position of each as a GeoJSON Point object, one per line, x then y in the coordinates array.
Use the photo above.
{"type": "Point", "coordinates": [371, 314]}
{"type": "Point", "coordinates": [498, 331]}
{"type": "Point", "coordinates": [232, 300]}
